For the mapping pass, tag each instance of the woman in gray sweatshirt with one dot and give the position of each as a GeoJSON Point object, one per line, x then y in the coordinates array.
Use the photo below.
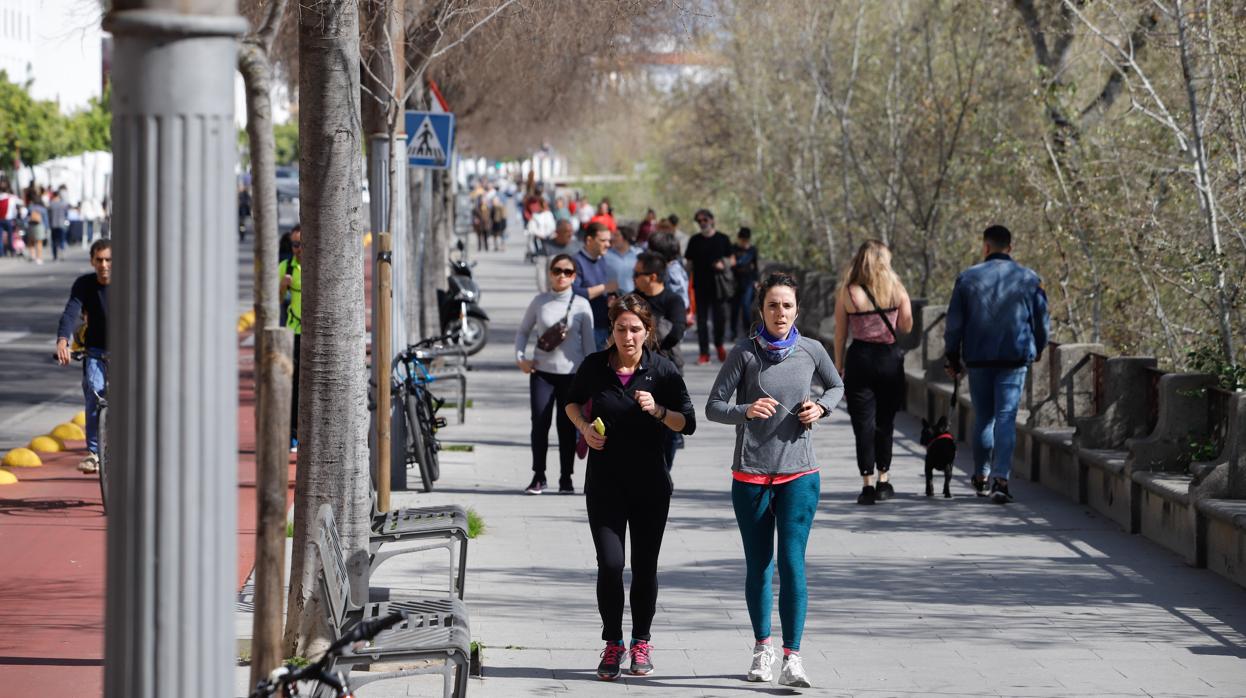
{"type": "Point", "coordinates": [775, 480]}
{"type": "Point", "coordinates": [551, 370]}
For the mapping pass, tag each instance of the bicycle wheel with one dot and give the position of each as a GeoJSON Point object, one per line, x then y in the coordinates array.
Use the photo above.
{"type": "Point", "coordinates": [416, 438]}
{"type": "Point", "coordinates": [103, 457]}
{"type": "Point", "coordinates": [427, 416]}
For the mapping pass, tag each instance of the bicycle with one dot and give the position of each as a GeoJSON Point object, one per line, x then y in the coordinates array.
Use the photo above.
{"type": "Point", "coordinates": [101, 400]}
{"type": "Point", "coordinates": [286, 678]}
{"type": "Point", "coordinates": [411, 379]}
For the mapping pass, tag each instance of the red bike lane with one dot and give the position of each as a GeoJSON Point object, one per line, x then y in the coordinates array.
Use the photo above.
{"type": "Point", "coordinates": [52, 580]}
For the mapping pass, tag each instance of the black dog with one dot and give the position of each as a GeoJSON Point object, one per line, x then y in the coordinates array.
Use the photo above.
{"type": "Point", "coordinates": [940, 453]}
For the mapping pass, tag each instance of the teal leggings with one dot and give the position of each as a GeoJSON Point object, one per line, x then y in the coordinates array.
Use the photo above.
{"type": "Point", "coordinates": [758, 510]}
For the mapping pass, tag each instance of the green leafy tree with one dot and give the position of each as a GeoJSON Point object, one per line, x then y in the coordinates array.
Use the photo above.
{"type": "Point", "coordinates": [29, 128]}
{"type": "Point", "coordinates": [33, 131]}
{"type": "Point", "coordinates": [91, 128]}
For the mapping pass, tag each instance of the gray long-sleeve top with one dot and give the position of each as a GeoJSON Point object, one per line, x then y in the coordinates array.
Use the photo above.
{"type": "Point", "coordinates": [779, 445]}
{"type": "Point", "coordinates": [547, 310]}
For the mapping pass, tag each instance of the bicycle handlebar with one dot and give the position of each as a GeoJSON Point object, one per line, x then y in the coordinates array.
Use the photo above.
{"type": "Point", "coordinates": [319, 670]}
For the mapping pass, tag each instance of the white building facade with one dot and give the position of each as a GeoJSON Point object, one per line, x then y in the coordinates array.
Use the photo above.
{"type": "Point", "coordinates": [55, 44]}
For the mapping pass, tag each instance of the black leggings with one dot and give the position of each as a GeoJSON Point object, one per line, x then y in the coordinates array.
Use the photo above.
{"type": "Point", "coordinates": [874, 389]}
{"type": "Point", "coordinates": [612, 509]}
{"type": "Point", "coordinates": [708, 303]}
{"type": "Point", "coordinates": [546, 389]}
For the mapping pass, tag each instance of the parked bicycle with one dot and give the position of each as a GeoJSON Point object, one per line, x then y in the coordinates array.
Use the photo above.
{"type": "Point", "coordinates": [411, 380]}
{"type": "Point", "coordinates": [327, 681]}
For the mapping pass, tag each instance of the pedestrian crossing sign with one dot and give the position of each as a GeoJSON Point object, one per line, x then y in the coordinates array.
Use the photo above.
{"type": "Point", "coordinates": [430, 139]}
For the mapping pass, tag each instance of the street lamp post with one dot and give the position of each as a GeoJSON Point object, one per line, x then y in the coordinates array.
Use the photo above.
{"type": "Point", "coordinates": [173, 402]}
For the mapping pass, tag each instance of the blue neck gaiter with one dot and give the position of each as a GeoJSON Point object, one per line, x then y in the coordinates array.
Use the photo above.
{"type": "Point", "coordinates": [774, 348]}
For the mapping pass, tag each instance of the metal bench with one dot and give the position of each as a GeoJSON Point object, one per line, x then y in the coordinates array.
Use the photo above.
{"type": "Point", "coordinates": [435, 629]}
{"type": "Point", "coordinates": [442, 527]}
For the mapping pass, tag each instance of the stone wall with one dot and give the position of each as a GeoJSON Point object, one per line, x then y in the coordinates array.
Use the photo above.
{"type": "Point", "coordinates": [1110, 432]}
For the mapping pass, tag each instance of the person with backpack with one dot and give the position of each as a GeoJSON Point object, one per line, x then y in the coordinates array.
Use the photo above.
{"type": "Point", "coordinates": [291, 273]}
{"type": "Point", "coordinates": [997, 325]}
{"type": "Point", "coordinates": [746, 274]}
{"type": "Point", "coordinates": [872, 307]}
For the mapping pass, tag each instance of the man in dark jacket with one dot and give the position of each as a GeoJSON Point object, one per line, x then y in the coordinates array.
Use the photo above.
{"type": "Point", "coordinates": [708, 254]}
{"type": "Point", "coordinates": [996, 326]}
{"type": "Point", "coordinates": [88, 298]}
{"type": "Point", "coordinates": [669, 312]}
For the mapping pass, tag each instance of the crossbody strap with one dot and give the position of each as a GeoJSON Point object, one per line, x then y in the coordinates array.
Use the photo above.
{"type": "Point", "coordinates": [883, 315]}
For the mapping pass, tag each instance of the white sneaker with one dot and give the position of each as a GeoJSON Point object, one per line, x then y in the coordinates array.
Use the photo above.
{"type": "Point", "coordinates": [89, 465]}
{"type": "Point", "coordinates": [763, 658]}
{"type": "Point", "coordinates": [794, 672]}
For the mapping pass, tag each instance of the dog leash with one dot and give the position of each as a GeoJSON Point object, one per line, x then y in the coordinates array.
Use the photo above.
{"type": "Point", "coordinates": [955, 408]}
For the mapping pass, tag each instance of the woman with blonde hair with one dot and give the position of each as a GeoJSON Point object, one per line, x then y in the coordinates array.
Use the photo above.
{"type": "Point", "coordinates": [872, 305]}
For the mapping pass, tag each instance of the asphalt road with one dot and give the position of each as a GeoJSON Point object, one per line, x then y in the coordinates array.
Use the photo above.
{"type": "Point", "coordinates": [35, 393]}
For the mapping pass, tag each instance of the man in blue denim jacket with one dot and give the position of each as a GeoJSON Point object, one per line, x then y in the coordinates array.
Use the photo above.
{"type": "Point", "coordinates": [996, 327]}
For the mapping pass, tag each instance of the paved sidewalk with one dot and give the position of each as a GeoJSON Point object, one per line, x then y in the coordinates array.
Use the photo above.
{"type": "Point", "coordinates": [912, 597]}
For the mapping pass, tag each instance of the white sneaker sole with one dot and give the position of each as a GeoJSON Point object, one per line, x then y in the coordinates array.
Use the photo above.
{"type": "Point", "coordinates": [797, 683]}
{"type": "Point", "coordinates": [758, 678]}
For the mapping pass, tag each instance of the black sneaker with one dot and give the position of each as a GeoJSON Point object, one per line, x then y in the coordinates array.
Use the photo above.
{"type": "Point", "coordinates": [641, 663]}
{"type": "Point", "coordinates": [979, 484]}
{"type": "Point", "coordinates": [885, 490]}
{"type": "Point", "coordinates": [565, 486]}
{"type": "Point", "coordinates": [611, 661]}
{"type": "Point", "coordinates": [867, 495]}
{"type": "Point", "coordinates": [536, 486]}
{"type": "Point", "coordinates": [999, 492]}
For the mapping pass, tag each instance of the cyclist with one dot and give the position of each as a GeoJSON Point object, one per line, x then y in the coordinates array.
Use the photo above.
{"type": "Point", "coordinates": [89, 298]}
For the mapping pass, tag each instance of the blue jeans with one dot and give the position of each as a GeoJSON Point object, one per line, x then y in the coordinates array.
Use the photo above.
{"type": "Point", "coordinates": [600, 336]}
{"type": "Point", "coordinates": [94, 379]}
{"type": "Point", "coordinates": [759, 509]}
{"type": "Point", "coordinates": [995, 393]}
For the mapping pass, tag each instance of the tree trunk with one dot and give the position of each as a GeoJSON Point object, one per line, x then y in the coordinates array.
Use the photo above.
{"type": "Point", "coordinates": [333, 421]}
{"type": "Point", "coordinates": [272, 385]}
{"type": "Point", "coordinates": [1206, 192]}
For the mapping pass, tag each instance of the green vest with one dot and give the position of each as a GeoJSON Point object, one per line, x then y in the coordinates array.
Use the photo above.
{"type": "Point", "coordinates": [294, 315]}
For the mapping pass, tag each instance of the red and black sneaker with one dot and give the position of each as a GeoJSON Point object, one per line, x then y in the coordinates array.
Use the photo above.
{"type": "Point", "coordinates": [641, 664]}
{"type": "Point", "coordinates": [611, 661]}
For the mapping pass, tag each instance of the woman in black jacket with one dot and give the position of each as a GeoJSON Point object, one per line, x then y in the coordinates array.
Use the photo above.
{"type": "Point", "coordinates": [639, 396]}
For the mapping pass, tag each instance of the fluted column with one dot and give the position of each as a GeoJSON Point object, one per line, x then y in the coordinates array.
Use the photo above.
{"type": "Point", "coordinates": [173, 384]}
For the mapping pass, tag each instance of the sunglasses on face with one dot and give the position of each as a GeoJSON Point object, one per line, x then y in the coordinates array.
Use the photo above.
{"type": "Point", "coordinates": [702, 221]}
{"type": "Point", "coordinates": [561, 271]}
{"type": "Point", "coordinates": [638, 274]}
{"type": "Point", "coordinates": [296, 244]}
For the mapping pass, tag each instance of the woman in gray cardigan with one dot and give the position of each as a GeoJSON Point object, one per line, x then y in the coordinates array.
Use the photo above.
{"type": "Point", "coordinates": [775, 480]}
{"type": "Point", "coordinates": [551, 371]}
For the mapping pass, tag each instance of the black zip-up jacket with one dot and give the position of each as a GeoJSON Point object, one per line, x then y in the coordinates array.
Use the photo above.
{"type": "Point", "coordinates": [87, 296]}
{"type": "Point", "coordinates": [635, 440]}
